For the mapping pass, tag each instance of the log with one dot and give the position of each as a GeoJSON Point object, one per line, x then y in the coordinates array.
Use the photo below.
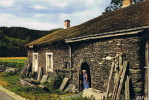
{"type": "Point", "coordinates": [120, 62]}
{"type": "Point", "coordinates": [26, 84]}
{"type": "Point", "coordinates": [121, 81]}
{"type": "Point", "coordinates": [116, 73]}
{"type": "Point", "coordinates": [43, 87]}
{"type": "Point", "coordinates": [32, 81]}
{"type": "Point", "coordinates": [117, 83]}
{"type": "Point", "coordinates": [109, 81]}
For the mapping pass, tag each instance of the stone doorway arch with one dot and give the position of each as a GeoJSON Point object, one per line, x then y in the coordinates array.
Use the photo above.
{"type": "Point", "coordinates": [84, 66]}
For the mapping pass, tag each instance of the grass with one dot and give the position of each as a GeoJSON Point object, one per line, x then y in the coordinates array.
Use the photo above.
{"type": "Point", "coordinates": [13, 59]}
{"type": "Point", "coordinates": [10, 81]}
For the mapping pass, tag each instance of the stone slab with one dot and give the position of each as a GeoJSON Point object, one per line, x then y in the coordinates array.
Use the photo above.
{"type": "Point", "coordinates": [93, 93]}
{"type": "Point", "coordinates": [40, 71]}
{"type": "Point", "coordinates": [50, 80]}
{"type": "Point", "coordinates": [44, 79]}
{"type": "Point", "coordinates": [10, 70]}
{"type": "Point", "coordinates": [64, 82]}
{"type": "Point", "coordinates": [2, 68]}
{"type": "Point", "coordinates": [72, 88]}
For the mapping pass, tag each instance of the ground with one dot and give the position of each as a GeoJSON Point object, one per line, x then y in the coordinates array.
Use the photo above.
{"type": "Point", "coordinates": [4, 96]}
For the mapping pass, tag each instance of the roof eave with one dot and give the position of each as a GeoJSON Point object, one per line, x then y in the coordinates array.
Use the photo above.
{"type": "Point", "coordinates": [108, 34]}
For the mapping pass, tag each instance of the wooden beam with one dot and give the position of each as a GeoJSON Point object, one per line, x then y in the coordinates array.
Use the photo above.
{"type": "Point", "coordinates": [99, 36]}
{"type": "Point", "coordinates": [127, 89]}
{"type": "Point", "coordinates": [110, 77]}
{"type": "Point", "coordinates": [121, 81]}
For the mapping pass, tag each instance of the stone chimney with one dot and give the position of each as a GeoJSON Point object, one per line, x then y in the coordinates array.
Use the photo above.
{"type": "Point", "coordinates": [126, 3]}
{"type": "Point", "coordinates": [66, 24]}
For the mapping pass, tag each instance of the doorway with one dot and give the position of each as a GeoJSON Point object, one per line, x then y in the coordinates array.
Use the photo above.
{"type": "Point", "coordinates": [84, 66]}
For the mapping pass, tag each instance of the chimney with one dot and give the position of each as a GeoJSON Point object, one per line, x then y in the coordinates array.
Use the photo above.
{"type": "Point", "coordinates": [126, 3]}
{"type": "Point", "coordinates": [66, 24]}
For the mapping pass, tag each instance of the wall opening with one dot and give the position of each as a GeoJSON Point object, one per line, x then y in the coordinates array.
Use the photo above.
{"type": "Point", "coordinates": [49, 62]}
{"type": "Point", "coordinates": [84, 66]}
{"type": "Point", "coordinates": [35, 62]}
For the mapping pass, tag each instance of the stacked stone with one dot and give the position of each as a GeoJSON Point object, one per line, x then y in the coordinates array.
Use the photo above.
{"type": "Point", "coordinates": [133, 47]}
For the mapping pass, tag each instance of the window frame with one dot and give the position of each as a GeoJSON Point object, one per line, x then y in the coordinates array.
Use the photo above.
{"type": "Point", "coordinates": [33, 61]}
{"type": "Point", "coordinates": [49, 68]}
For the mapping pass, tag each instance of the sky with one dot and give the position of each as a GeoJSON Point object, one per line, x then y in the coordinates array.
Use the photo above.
{"type": "Point", "coordinates": [49, 14]}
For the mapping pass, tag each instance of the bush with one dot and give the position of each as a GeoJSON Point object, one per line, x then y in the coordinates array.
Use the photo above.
{"type": "Point", "coordinates": [10, 73]}
{"type": "Point", "coordinates": [18, 66]}
{"type": "Point", "coordinates": [58, 80]}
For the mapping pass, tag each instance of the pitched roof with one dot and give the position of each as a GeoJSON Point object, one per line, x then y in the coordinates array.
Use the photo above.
{"type": "Point", "coordinates": [136, 15]}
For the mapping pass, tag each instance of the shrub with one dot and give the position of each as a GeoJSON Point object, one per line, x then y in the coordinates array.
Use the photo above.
{"type": "Point", "coordinates": [58, 80]}
{"type": "Point", "coordinates": [18, 66]}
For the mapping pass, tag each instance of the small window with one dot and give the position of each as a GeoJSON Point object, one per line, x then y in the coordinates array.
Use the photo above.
{"type": "Point", "coordinates": [35, 62]}
{"type": "Point", "coordinates": [49, 62]}
{"type": "Point", "coordinates": [67, 65]}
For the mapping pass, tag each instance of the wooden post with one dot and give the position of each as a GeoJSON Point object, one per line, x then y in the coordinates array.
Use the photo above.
{"type": "Point", "coordinates": [117, 83]}
{"type": "Point", "coordinates": [70, 54]}
{"type": "Point", "coordinates": [127, 92]}
{"type": "Point", "coordinates": [120, 62]}
{"type": "Point", "coordinates": [110, 77]}
{"type": "Point", "coordinates": [121, 81]}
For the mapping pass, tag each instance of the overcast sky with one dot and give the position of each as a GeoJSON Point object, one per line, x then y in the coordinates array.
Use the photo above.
{"type": "Point", "coordinates": [49, 14]}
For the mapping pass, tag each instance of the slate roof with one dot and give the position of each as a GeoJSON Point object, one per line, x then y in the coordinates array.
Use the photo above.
{"type": "Point", "coordinates": [136, 15]}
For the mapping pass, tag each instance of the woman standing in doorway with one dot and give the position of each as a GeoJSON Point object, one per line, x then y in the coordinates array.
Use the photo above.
{"type": "Point", "coordinates": [85, 80]}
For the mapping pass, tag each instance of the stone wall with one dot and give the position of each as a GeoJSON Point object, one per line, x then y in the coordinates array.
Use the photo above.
{"type": "Point", "coordinates": [94, 51]}
{"type": "Point", "coordinates": [60, 55]}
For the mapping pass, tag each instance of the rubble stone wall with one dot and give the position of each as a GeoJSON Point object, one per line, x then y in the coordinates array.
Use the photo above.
{"type": "Point", "coordinates": [94, 51]}
{"type": "Point", "coordinates": [60, 55]}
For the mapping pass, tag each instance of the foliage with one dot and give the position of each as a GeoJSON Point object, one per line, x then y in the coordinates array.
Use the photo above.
{"type": "Point", "coordinates": [10, 81]}
{"type": "Point", "coordinates": [58, 80]}
{"type": "Point", "coordinates": [117, 4]}
{"type": "Point", "coordinates": [19, 66]}
{"type": "Point", "coordinates": [13, 40]}
{"type": "Point", "coordinates": [28, 92]}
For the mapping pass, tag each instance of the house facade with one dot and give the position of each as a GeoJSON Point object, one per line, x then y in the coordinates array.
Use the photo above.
{"type": "Point", "coordinates": [71, 50]}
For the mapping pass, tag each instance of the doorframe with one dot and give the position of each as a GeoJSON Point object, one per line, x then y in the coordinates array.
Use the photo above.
{"type": "Point", "coordinates": [79, 74]}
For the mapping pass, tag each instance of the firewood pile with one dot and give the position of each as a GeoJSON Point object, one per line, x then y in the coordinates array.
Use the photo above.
{"type": "Point", "coordinates": [118, 72]}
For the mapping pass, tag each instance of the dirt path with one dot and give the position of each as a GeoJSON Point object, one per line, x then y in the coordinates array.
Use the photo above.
{"type": "Point", "coordinates": [4, 96]}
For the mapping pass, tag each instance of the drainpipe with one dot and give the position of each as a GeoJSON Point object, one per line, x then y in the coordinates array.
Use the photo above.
{"type": "Point", "coordinates": [70, 55]}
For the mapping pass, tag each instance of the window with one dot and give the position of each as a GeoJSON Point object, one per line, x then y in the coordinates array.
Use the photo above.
{"type": "Point", "coordinates": [49, 62]}
{"type": "Point", "coordinates": [67, 65]}
{"type": "Point", "coordinates": [35, 62]}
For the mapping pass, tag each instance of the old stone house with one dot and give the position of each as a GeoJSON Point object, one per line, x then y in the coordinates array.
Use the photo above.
{"type": "Point", "coordinates": [84, 47]}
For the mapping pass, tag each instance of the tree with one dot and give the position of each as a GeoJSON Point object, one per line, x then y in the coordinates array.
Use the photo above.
{"type": "Point", "coordinates": [117, 4]}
